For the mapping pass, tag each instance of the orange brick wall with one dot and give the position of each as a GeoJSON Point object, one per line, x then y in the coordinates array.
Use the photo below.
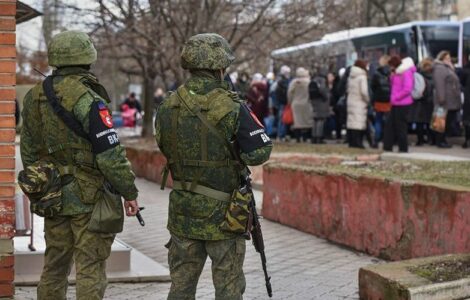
{"type": "Point", "coordinates": [7, 144]}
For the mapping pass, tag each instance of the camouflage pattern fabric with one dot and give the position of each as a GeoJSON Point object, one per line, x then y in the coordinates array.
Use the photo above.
{"type": "Point", "coordinates": [186, 259]}
{"type": "Point", "coordinates": [71, 48]}
{"type": "Point", "coordinates": [68, 241]}
{"type": "Point", "coordinates": [193, 215]}
{"type": "Point", "coordinates": [206, 51]}
{"type": "Point", "coordinates": [238, 213]}
{"type": "Point", "coordinates": [42, 129]}
{"type": "Point", "coordinates": [200, 157]}
{"type": "Point", "coordinates": [44, 135]}
{"type": "Point", "coordinates": [42, 184]}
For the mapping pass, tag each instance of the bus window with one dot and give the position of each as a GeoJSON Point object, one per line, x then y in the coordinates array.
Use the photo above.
{"type": "Point", "coordinates": [466, 42]}
{"type": "Point", "coordinates": [438, 38]}
{"type": "Point", "coordinates": [392, 51]}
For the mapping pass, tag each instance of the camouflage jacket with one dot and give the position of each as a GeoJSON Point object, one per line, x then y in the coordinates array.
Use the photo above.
{"type": "Point", "coordinates": [201, 155]}
{"type": "Point", "coordinates": [43, 133]}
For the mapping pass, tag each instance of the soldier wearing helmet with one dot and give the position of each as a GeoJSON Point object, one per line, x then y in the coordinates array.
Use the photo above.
{"type": "Point", "coordinates": [91, 168]}
{"type": "Point", "coordinates": [207, 135]}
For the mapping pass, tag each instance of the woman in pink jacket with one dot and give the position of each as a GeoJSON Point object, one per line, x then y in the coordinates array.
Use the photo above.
{"type": "Point", "coordinates": [401, 84]}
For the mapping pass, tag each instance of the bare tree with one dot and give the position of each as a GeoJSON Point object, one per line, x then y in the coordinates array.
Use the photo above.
{"type": "Point", "coordinates": [52, 19]}
{"type": "Point", "coordinates": [144, 38]}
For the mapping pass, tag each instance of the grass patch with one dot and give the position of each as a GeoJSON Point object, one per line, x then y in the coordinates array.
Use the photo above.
{"type": "Point", "coordinates": [443, 271]}
{"type": "Point", "coordinates": [341, 149]}
{"type": "Point", "coordinates": [448, 174]}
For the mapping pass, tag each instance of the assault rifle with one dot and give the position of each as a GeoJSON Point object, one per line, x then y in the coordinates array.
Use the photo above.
{"type": "Point", "coordinates": [254, 228]}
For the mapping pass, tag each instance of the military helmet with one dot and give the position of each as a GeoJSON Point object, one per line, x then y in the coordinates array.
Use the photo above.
{"type": "Point", "coordinates": [71, 48]}
{"type": "Point", "coordinates": [206, 51]}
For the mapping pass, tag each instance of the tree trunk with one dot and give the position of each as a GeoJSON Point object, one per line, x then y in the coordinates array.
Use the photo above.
{"type": "Point", "coordinates": [149, 106]}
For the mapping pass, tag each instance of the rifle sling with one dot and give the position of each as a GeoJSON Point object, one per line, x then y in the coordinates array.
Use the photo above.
{"type": "Point", "coordinates": [66, 116]}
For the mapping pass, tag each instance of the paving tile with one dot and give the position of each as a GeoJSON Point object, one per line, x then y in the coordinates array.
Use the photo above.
{"type": "Point", "coordinates": [301, 266]}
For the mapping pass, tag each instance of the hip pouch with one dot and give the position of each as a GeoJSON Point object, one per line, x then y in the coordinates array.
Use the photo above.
{"type": "Point", "coordinates": [108, 213]}
{"type": "Point", "coordinates": [237, 215]}
{"type": "Point", "coordinates": [42, 183]}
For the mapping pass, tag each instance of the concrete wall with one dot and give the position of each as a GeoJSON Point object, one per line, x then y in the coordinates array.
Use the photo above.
{"type": "Point", "coordinates": [7, 148]}
{"type": "Point", "coordinates": [149, 164]}
{"type": "Point", "coordinates": [387, 219]}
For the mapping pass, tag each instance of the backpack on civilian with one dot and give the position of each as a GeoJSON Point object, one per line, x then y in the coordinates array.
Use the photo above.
{"type": "Point", "coordinates": [419, 86]}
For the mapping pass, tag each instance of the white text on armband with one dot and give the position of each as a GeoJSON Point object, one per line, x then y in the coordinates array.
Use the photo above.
{"type": "Point", "coordinates": [256, 132]}
{"type": "Point", "coordinates": [100, 134]}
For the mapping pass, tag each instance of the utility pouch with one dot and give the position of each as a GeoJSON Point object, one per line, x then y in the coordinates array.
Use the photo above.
{"type": "Point", "coordinates": [41, 182]}
{"type": "Point", "coordinates": [238, 212]}
{"type": "Point", "coordinates": [108, 213]}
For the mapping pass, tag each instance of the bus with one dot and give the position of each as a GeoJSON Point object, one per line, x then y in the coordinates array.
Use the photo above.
{"type": "Point", "coordinates": [334, 51]}
{"type": "Point", "coordinates": [464, 42]}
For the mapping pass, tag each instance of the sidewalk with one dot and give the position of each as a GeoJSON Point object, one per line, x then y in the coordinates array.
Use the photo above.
{"type": "Point", "coordinates": [301, 265]}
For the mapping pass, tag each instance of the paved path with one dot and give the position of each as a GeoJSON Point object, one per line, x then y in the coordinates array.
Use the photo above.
{"type": "Point", "coordinates": [301, 265]}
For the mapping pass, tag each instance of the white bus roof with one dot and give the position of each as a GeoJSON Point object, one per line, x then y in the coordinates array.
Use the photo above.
{"type": "Point", "coordinates": [359, 32]}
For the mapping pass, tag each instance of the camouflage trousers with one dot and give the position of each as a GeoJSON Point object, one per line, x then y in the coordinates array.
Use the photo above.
{"type": "Point", "coordinates": [68, 241]}
{"type": "Point", "coordinates": [186, 258]}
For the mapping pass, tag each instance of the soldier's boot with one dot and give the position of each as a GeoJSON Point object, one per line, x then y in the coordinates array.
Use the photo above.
{"type": "Point", "coordinates": [91, 251]}
{"type": "Point", "coordinates": [227, 268]}
{"type": "Point", "coordinates": [186, 260]}
{"type": "Point", "coordinates": [57, 259]}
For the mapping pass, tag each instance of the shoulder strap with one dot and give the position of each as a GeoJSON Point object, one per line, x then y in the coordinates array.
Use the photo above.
{"type": "Point", "coordinates": [66, 116]}
{"type": "Point", "coordinates": [203, 119]}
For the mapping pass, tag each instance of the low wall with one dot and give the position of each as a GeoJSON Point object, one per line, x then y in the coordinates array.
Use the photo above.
{"type": "Point", "coordinates": [385, 218]}
{"type": "Point", "coordinates": [149, 164]}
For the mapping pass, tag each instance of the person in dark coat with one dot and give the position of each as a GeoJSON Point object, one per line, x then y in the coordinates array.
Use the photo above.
{"type": "Point", "coordinates": [446, 94]}
{"type": "Point", "coordinates": [380, 87]}
{"type": "Point", "coordinates": [243, 85]}
{"type": "Point", "coordinates": [319, 95]}
{"type": "Point", "coordinates": [334, 99]}
{"type": "Point", "coordinates": [132, 102]}
{"type": "Point", "coordinates": [422, 108]}
{"type": "Point", "coordinates": [280, 95]}
{"type": "Point", "coordinates": [257, 96]}
{"type": "Point", "coordinates": [341, 105]}
{"type": "Point", "coordinates": [465, 80]}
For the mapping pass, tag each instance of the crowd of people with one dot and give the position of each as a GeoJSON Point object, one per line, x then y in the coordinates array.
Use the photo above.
{"type": "Point", "coordinates": [353, 104]}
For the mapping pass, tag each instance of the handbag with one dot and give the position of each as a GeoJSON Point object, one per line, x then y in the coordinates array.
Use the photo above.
{"type": "Point", "coordinates": [108, 213]}
{"type": "Point", "coordinates": [438, 120]}
{"type": "Point", "coordinates": [287, 115]}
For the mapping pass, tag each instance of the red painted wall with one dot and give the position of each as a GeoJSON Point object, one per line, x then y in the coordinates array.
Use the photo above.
{"type": "Point", "coordinates": [149, 164]}
{"type": "Point", "coordinates": [7, 140]}
{"type": "Point", "coordinates": [387, 219]}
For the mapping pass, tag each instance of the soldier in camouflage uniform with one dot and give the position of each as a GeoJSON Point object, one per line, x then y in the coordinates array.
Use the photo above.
{"type": "Point", "coordinates": [204, 172]}
{"type": "Point", "coordinates": [85, 165]}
